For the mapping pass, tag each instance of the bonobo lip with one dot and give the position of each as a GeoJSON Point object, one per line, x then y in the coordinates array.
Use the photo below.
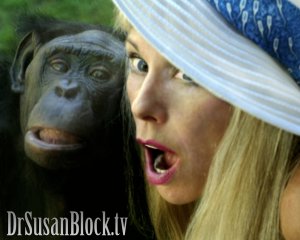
{"type": "Point", "coordinates": [52, 139]}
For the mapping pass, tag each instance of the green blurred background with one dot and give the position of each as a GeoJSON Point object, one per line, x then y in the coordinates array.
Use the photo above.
{"type": "Point", "coordinates": [90, 11]}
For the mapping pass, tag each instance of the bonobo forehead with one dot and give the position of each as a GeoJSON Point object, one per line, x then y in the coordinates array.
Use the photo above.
{"type": "Point", "coordinates": [95, 42]}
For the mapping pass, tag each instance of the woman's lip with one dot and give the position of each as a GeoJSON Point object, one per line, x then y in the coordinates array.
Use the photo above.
{"type": "Point", "coordinates": [154, 177]}
{"type": "Point", "coordinates": [154, 144]}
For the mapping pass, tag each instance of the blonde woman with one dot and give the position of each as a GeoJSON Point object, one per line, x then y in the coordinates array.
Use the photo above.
{"type": "Point", "coordinates": [214, 92]}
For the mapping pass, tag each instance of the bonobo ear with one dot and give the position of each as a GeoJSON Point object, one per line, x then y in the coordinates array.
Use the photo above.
{"type": "Point", "coordinates": [22, 59]}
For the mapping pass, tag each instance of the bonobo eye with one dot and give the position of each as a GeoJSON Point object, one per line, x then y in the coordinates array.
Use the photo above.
{"type": "Point", "coordinates": [137, 64]}
{"type": "Point", "coordinates": [59, 65]}
{"type": "Point", "coordinates": [99, 73]}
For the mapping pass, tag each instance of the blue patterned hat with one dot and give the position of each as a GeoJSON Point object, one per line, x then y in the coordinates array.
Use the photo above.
{"type": "Point", "coordinates": [246, 52]}
{"type": "Point", "coordinates": [271, 24]}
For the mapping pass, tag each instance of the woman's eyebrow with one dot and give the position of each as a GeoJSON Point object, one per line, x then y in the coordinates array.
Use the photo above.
{"type": "Point", "coordinates": [132, 43]}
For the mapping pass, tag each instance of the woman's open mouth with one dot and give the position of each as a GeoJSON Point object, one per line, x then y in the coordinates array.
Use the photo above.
{"type": "Point", "coordinates": [161, 162]}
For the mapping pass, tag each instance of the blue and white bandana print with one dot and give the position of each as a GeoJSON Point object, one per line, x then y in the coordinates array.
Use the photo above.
{"type": "Point", "coordinates": [274, 25]}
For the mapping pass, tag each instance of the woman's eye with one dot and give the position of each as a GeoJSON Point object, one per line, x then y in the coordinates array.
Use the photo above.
{"type": "Point", "coordinates": [59, 65]}
{"type": "Point", "coordinates": [99, 73]}
{"type": "Point", "coordinates": [185, 77]}
{"type": "Point", "coordinates": [138, 65]}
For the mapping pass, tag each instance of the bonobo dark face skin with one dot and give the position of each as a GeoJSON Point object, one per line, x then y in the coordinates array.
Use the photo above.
{"type": "Point", "coordinates": [70, 91]}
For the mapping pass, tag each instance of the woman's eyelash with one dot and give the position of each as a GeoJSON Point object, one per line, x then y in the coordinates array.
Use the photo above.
{"type": "Point", "coordinates": [132, 55]}
{"type": "Point", "coordinates": [186, 77]}
{"type": "Point", "coordinates": [137, 64]}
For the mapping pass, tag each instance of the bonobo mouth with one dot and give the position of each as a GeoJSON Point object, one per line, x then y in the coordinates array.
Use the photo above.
{"type": "Point", "coordinates": [53, 139]}
{"type": "Point", "coordinates": [54, 149]}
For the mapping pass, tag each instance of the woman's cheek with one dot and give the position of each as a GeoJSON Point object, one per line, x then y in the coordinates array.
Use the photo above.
{"type": "Point", "coordinates": [132, 87]}
{"type": "Point", "coordinates": [290, 208]}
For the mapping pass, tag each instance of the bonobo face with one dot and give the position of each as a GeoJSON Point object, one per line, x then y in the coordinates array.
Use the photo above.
{"type": "Point", "coordinates": [72, 92]}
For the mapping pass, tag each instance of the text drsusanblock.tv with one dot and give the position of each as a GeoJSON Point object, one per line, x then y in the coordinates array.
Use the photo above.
{"type": "Point", "coordinates": [74, 225]}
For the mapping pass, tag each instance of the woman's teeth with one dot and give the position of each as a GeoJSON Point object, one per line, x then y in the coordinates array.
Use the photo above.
{"type": "Point", "coordinates": [157, 155]}
{"type": "Point", "coordinates": [159, 165]}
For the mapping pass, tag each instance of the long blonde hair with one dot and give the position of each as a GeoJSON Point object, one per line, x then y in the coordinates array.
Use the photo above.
{"type": "Point", "coordinates": [242, 193]}
{"type": "Point", "coordinates": [245, 182]}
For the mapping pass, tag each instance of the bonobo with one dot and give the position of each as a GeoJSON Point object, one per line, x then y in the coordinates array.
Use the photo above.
{"type": "Point", "coordinates": [70, 89]}
{"type": "Point", "coordinates": [69, 149]}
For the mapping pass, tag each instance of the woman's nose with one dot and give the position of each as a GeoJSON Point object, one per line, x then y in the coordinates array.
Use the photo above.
{"type": "Point", "coordinates": [150, 103]}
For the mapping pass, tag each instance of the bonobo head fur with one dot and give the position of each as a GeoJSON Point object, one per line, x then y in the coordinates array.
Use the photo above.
{"type": "Point", "coordinates": [49, 28]}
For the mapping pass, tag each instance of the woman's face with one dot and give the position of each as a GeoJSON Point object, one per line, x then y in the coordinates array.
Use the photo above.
{"type": "Point", "coordinates": [290, 206]}
{"type": "Point", "coordinates": [179, 124]}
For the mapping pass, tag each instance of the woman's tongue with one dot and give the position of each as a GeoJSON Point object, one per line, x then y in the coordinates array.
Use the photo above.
{"type": "Point", "coordinates": [163, 162]}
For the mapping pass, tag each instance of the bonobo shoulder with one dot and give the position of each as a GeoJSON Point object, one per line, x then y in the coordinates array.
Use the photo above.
{"type": "Point", "coordinates": [7, 98]}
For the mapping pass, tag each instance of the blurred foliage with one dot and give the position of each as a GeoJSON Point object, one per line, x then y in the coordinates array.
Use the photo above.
{"type": "Point", "coordinates": [90, 11]}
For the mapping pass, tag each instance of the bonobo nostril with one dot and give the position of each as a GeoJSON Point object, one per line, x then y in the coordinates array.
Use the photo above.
{"type": "Point", "coordinates": [71, 92]}
{"type": "Point", "coordinates": [67, 89]}
{"type": "Point", "coordinates": [58, 91]}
